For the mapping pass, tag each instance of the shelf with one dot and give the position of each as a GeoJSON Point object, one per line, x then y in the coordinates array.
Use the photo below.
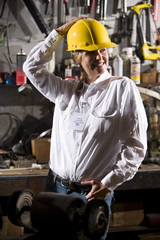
{"type": "Point", "coordinates": [133, 233]}
{"type": "Point", "coordinates": [8, 86]}
{"type": "Point", "coordinates": [133, 229]}
{"type": "Point", "coordinates": [10, 95]}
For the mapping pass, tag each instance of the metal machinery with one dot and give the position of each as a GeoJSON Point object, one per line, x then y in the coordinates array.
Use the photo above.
{"type": "Point", "coordinates": [148, 52]}
{"type": "Point", "coordinates": [57, 216]}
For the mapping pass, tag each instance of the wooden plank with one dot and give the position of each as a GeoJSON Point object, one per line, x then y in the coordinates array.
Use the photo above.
{"type": "Point", "coordinates": [22, 171]}
{"type": "Point", "coordinates": [149, 92]}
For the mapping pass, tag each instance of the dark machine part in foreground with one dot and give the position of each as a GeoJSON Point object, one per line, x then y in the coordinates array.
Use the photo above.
{"type": "Point", "coordinates": [54, 214]}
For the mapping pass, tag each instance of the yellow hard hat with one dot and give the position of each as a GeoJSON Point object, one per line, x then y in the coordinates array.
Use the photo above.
{"type": "Point", "coordinates": [88, 34]}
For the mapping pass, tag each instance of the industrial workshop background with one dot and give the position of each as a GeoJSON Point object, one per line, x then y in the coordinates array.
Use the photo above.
{"type": "Point", "coordinates": [25, 114]}
{"type": "Point", "coordinates": [23, 23]}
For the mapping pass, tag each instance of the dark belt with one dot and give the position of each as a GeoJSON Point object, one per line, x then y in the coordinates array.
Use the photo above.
{"type": "Point", "coordinates": [74, 186]}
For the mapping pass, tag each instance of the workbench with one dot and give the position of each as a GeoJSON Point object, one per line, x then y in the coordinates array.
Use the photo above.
{"type": "Point", "coordinates": [145, 186]}
{"type": "Point", "coordinates": [148, 177]}
{"type": "Point", "coordinates": [16, 179]}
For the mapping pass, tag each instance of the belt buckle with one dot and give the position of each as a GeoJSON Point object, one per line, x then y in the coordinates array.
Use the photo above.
{"type": "Point", "coordinates": [62, 182]}
{"type": "Point", "coordinates": [68, 184]}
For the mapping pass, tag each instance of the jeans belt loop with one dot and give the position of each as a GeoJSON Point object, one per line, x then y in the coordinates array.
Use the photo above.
{"type": "Point", "coordinates": [54, 178]}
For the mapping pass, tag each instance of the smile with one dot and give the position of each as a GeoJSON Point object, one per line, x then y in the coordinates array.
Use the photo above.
{"type": "Point", "coordinates": [100, 64]}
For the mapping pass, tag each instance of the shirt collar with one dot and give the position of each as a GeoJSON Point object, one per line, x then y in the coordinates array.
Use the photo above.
{"type": "Point", "coordinates": [101, 81]}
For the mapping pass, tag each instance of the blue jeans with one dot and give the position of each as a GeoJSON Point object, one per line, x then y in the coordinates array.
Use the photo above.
{"type": "Point", "coordinates": [54, 186]}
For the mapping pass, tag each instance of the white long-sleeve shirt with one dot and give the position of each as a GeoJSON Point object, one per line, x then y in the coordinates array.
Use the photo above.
{"type": "Point", "coordinates": [98, 134]}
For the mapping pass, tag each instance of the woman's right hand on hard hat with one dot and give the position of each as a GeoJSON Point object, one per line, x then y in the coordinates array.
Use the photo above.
{"type": "Point", "coordinates": [64, 28]}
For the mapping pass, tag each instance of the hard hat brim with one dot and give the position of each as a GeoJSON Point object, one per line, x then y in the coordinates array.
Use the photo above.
{"type": "Point", "coordinates": [93, 47]}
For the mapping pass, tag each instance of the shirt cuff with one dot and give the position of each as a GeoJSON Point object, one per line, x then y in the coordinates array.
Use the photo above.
{"type": "Point", "coordinates": [53, 39]}
{"type": "Point", "coordinates": [112, 181]}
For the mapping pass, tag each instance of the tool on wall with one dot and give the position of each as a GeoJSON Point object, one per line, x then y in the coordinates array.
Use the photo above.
{"type": "Point", "coordinates": [2, 7]}
{"type": "Point", "coordinates": [85, 6]}
{"type": "Point", "coordinates": [98, 6]}
{"type": "Point", "coordinates": [65, 14]}
{"type": "Point", "coordinates": [124, 31]}
{"type": "Point", "coordinates": [148, 52]}
{"type": "Point", "coordinates": [66, 7]}
{"type": "Point", "coordinates": [47, 2]}
{"type": "Point", "coordinates": [91, 7]}
{"type": "Point", "coordinates": [156, 8]}
{"type": "Point", "coordinates": [37, 16]}
{"type": "Point", "coordinates": [103, 10]}
{"type": "Point", "coordinates": [154, 13]}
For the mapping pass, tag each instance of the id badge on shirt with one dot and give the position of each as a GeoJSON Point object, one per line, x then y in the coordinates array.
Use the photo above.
{"type": "Point", "coordinates": [77, 121]}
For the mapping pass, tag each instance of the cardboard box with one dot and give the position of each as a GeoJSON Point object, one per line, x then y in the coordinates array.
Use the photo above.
{"type": "Point", "coordinates": [41, 149]}
{"type": "Point", "coordinates": [149, 77]}
{"type": "Point", "coordinates": [127, 214]}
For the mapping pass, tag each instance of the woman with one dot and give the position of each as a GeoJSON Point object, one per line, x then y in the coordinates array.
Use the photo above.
{"type": "Point", "coordinates": [99, 125]}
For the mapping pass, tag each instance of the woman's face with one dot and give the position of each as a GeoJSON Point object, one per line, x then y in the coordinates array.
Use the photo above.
{"type": "Point", "coordinates": [94, 63]}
